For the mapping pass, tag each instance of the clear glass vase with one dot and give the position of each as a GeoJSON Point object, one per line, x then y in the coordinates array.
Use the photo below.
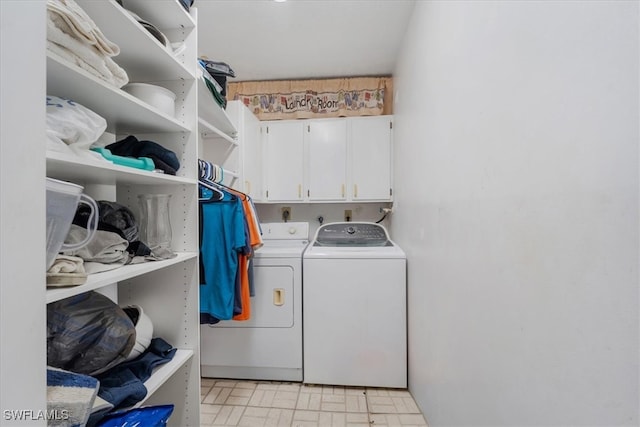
{"type": "Point", "coordinates": [155, 223]}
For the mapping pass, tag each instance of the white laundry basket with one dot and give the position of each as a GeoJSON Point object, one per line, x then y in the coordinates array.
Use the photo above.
{"type": "Point", "coordinates": [62, 201]}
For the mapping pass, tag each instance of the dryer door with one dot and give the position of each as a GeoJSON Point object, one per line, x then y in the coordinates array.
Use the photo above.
{"type": "Point", "coordinates": [273, 303]}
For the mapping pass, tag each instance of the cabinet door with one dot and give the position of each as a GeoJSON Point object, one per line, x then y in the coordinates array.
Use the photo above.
{"type": "Point", "coordinates": [327, 159]}
{"type": "Point", "coordinates": [252, 156]}
{"type": "Point", "coordinates": [284, 151]}
{"type": "Point", "coordinates": [370, 142]}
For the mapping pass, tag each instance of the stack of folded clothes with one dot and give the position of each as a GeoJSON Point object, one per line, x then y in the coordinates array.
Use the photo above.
{"type": "Point", "coordinates": [163, 159]}
{"type": "Point", "coordinates": [215, 77]}
{"type": "Point", "coordinates": [116, 243]}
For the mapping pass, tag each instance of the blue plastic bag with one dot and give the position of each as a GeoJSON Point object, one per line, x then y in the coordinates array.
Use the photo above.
{"type": "Point", "coordinates": [148, 416]}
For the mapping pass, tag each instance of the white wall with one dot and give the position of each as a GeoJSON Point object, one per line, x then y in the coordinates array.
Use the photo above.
{"type": "Point", "coordinates": [22, 225]}
{"type": "Point", "coordinates": [330, 212]}
{"type": "Point", "coordinates": [516, 129]}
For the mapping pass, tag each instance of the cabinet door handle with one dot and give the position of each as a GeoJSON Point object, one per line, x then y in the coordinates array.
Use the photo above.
{"type": "Point", "coordinates": [247, 186]}
{"type": "Point", "coordinates": [355, 190]}
{"type": "Point", "coordinates": [299, 191]}
{"type": "Point", "coordinates": [278, 296]}
{"type": "Point", "coordinates": [342, 190]}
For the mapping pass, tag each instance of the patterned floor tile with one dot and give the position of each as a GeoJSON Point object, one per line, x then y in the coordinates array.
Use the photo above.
{"type": "Point", "coordinates": [356, 403]}
{"type": "Point", "coordinates": [228, 416]}
{"type": "Point", "coordinates": [210, 409]}
{"type": "Point", "coordinates": [249, 385]}
{"type": "Point", "coordinates": [207, 382]}
{"type": "Point", "coordinates": [277, 403]}
{"type": "Point", "coordinates": [267, 386]}
{"type": "Point", "coordinates": [397, 420]}
{"type": "Point", "coordinates": [309, 401]}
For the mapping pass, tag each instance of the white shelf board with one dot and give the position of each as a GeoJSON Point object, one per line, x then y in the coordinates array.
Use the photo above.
{"type": "Point", "coordinates": [163, 372]}
{"type": "Point", "coordinates": [209, 131]}
{"type": "Point", "coordinates": [211, 112]}
{"type": "Point", "coordinates": [106, 278]}
{"type": "Point", "coordinates": [123, 112]}
{"type": "Point", "coordinates": [142, 56]}
{"type": "Point", "coordinates": [73, 168]}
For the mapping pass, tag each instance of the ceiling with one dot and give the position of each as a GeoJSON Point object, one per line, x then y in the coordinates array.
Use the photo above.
{"type": "Point", "coordinates": [299, 39]}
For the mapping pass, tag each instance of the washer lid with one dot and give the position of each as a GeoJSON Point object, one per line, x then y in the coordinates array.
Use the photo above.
{"type": "Point", "coordinates": [355, 252]}
{"type": "Point", "coordinates": [352, 234]}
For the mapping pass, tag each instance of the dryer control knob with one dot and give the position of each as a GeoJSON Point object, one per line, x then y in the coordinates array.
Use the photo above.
{"type": "Point", "coordinates": [292, 230]}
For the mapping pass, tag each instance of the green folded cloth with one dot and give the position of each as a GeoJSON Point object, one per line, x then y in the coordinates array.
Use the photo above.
{"type": "Point", "coordinates": [216, 95]}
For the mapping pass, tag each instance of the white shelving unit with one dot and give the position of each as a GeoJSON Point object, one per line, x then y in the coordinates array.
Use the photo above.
{"type": "Point", "coordinates": [167, 290]}
{"type": "Point", "coordinates": [100, 280]}
{"type": "Point", "coordinates": [218, 135]}
{"type": "Point", "coordinates": [210, 112]}
{"type": "Point", "coordinates": [67, 167]}
{"type": "Point", "coordinates": [207, 130]}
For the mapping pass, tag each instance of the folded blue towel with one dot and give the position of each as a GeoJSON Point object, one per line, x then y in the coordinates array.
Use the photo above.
{"type": "Point", "coordinates": [70, 397]}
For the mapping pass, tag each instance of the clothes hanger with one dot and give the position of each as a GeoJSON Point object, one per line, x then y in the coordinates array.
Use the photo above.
{"type": "Point", "coordinates": [213, 175]}
{"type": "Point", "coordinates": [210, 171]}
{"type": "Point", "coordinates": [213, 188]}
{"type": "Point", "coordinates": [242, 195]}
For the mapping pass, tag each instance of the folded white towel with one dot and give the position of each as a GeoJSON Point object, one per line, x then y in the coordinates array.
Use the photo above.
{"type": "Point", "coordinates": [71, 28]}
{"type": "Point", "coordinates": [67, 264]}
{"type": "Point", "coordinates": [84, 55]}
{"type": "Point", "coordinates": [73, 20]}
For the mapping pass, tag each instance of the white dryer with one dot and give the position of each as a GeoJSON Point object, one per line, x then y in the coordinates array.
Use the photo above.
{"type": "Point", "coordinates": [354, 317]}
{"type": "Point", "coordinates": [269, 345]}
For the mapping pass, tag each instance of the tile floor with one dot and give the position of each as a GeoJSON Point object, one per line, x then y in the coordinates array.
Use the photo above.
{"type": "Point", "coordinates": [272, 403]}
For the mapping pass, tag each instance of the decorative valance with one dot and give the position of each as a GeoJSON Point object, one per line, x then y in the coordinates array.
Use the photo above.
{"type": "Point", "coordinates": [305, 99]}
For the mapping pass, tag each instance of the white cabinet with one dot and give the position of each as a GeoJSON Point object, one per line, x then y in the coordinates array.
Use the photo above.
{"type": "Point", "coordinates": [167, 290]}
{"type": "Point", "coordinates": [284, 161]}
{"type": "Point", "coordinates": [326, 163]}
{"type": "Point", "coordinates": [370, 156]}
{"type": "Point", "coordinates": [329, 160]}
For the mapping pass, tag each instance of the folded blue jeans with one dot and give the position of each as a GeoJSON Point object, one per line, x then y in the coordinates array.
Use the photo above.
{"type": "Point", "coordinates": [123, 385]}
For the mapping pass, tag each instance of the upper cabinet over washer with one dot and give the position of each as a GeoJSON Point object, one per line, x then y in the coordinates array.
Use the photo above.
{"type": "Point", "coordinates": [328, 160]}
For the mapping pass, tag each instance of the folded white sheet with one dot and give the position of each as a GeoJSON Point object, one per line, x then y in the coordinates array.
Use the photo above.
{"type": "Point", "coordinates": [73, 20]}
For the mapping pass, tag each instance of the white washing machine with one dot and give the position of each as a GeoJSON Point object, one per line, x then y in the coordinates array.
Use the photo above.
{"type": "Point", "coordinates": [354, 300]}
{"type": "Point", "coordinates": [269, 345]}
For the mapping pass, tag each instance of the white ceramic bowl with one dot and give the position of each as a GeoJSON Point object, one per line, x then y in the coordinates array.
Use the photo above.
{"type": "Point", "coordinates": [144, 332]}
{"type": "Point", "coordinates": [156, 96]}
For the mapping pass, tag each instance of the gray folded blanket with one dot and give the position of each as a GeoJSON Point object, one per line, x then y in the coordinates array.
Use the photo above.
{"type": "Point", "coordinates": [106, 251]}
